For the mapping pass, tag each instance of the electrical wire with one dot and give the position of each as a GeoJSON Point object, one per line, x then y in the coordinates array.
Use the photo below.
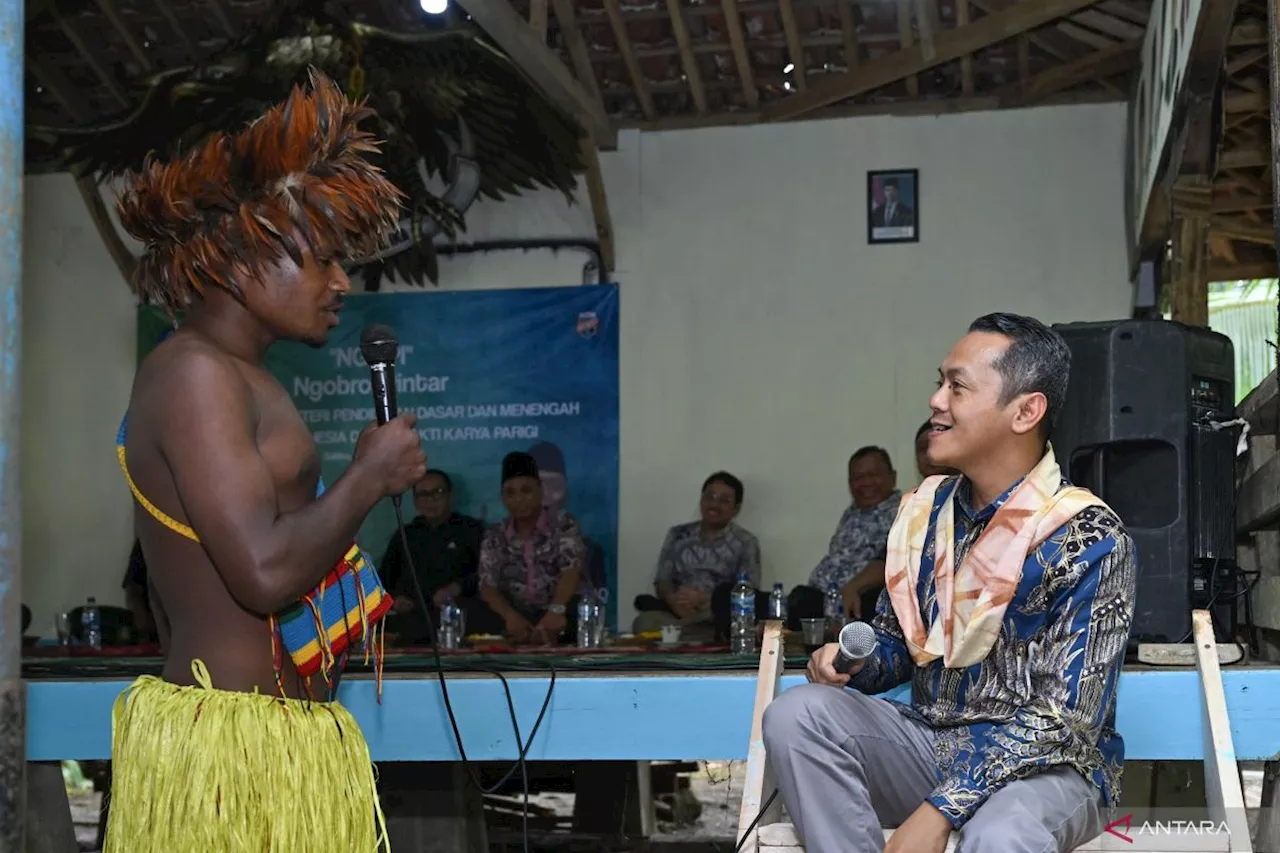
{"type": "Point", "coordinates": [759, 816]}
{"type": "Point", "coordinates": [521, 744]}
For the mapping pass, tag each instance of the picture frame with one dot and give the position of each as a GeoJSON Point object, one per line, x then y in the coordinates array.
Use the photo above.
{"type": "Point", "coordinates": [894, 193]}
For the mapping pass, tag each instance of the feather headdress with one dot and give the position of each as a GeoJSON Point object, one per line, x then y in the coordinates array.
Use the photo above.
{"type": "Point", "coordinates": [236, 202]}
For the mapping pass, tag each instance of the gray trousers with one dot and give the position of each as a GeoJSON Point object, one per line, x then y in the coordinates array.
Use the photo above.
{"type": "Point", "coordinates": [848, 764]}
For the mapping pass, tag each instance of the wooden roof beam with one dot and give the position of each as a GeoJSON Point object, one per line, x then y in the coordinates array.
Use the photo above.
{"type": "Point", "coordinates": [742, 57]}
{"type": "Point", "coordinates": [224, 20]}
{"type": "Point", "coordinates": [90, 57]}
{"type": "Point", "coordinates": [794, 47]}
{"type": "Point", "coordinates": [577, 46]}
{"type": "Point", "coordinates": [513, 34]}
{"type": "Point", "coordinates": [62, 90]}
{"type": "Point", "coordinates": [687, 58]}
{"type": "Point", "coordinates": [178, 29]}
{"type": "Point", "coordinates": [1102, 63]}
{"type": "Point", "coordinates": [948, 46]}
{"type": "Point", "coordinates": [966, 61]}
{"type": "Point", "coordinates": [1056, 44]}
{"type": "Point", "coordinates": [113, 15]}
{"type": "Point", "coordinates": [905, 40]}
{"type": "Point", "coordinates": [638, 81]}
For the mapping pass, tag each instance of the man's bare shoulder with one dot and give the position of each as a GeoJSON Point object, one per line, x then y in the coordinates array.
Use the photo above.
{"type": "Point", "coordinates": [183, 378]}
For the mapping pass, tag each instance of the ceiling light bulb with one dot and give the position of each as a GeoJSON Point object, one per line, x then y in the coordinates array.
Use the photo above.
{"type": "Point", "coordinates": [791, 66]}
{"type": "Point", "coordinates": [434, 7]}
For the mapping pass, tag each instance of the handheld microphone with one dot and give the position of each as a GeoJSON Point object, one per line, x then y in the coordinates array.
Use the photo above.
{"type": "Point", "coordinates": [379, 346]}
{"type": "Point", "coordinates": [857, 641]}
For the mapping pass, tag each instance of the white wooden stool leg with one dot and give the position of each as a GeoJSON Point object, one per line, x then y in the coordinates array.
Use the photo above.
{"type": "Point", "coordinates": [1221, 770]}
{"type": "Point", "coordinates": [759, 782]}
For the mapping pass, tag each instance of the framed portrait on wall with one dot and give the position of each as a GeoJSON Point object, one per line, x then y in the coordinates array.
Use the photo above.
{"type": "Point", "coordinates": [893, 206]}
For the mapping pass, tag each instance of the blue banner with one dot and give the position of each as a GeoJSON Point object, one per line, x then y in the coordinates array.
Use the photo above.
{"type": "Point", "coordinates": [487, 372]}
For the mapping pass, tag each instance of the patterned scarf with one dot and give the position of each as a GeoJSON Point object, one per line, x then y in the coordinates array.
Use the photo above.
{"type": "Point", "coordinates": [973, 597]}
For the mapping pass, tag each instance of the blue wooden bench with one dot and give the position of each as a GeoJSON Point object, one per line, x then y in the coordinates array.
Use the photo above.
{"type": "Point", "coordinates": [1162, 716]}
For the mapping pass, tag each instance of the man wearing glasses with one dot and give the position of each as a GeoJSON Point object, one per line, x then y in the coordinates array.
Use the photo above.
{"type": "Point", "coordinates": [446, 550]}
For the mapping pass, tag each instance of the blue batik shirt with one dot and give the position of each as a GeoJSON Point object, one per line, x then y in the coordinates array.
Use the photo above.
{"type": "Point", "coordinates": [1046, 693]}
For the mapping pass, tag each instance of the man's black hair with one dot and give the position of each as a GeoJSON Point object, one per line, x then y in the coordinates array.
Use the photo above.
{"type": "Point", "coordinates": [872, 450]}
{"type": "Point", "coordinates": [726, 479]}
{"type": "Point", "coordinates": [436, 472]}
{"type": "Point", "coordinates": [1037, 360]}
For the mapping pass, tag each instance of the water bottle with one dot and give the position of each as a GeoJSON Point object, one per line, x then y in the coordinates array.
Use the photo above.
{"type": "Point", "coordinates": [777, 603]}
{"type": "Point", "coordinates": [742, 617]}
{"type": "Point", "coordinates": [588, 616]}
{"type": "Point", "coordinates": [833, 610]}
{"type": "Point", "coordinates": [450, 624]}
{"type": "Point", "coordinates": [91, 624]}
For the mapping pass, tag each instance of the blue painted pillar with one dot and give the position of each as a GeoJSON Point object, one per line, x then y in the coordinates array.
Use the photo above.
{"type": "Point", "coordinates": [13, 759]}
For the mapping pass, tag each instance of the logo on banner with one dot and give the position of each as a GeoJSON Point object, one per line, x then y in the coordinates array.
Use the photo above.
{"type": "Point", "coordinates": [588, 324]}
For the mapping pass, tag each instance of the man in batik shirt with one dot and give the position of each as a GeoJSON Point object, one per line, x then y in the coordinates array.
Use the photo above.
{"type": "Point", "coordinates": [1010, 736]}
{"type": "Point", "coordinates": [854, 563]}
{"type": "Point", "coordinates": [699, 563]}
{"type": "Point", "coordinates": [531, 563]}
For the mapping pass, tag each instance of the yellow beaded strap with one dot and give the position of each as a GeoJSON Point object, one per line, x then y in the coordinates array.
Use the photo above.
{"type": "Point", "coordinates": [156, 513]}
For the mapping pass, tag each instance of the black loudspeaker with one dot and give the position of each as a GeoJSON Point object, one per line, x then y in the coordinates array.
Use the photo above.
{"type": "Point", "coordinates": [1138, 430]}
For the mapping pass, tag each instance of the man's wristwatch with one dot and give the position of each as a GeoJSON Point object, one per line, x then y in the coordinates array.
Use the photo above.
{"type": "Point", "coordinates": [556, 608]}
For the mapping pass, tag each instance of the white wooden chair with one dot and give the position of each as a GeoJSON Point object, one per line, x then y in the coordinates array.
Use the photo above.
{"type": "Point", "coordinates": [1222, 778]}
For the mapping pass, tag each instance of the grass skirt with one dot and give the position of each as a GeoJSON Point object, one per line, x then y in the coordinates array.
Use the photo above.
{"type": "Point", "coordinates": [199, 770]}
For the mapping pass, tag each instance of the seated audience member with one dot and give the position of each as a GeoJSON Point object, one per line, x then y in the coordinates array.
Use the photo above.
{"type": "Point", "coordinates": [923, 465]}
{"type": "Point", "coordinates": [855, 557]}
{"type": "Point", "coordinates": [699, 563]}
{"type": "Point", "coordinates": [531, 564]}
{"type": "Point", "coordinates": [554, 475]}
{"type": "Point", "coordinates": [445, 546]}
{"type": "Point", "coordinates": [137, 594]}
{"type": "Point", "coordinates": [1010, 734]}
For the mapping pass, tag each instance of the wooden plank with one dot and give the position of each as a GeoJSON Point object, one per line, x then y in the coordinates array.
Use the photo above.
{"type": "Point", "coordinates": [920, 107]}
{"type": "Point", "coordinates": [538, 10]}
{"type": "Point", "coordinates": [577, 46]}
{"type": "Point", "coordinates": [513, 34]}
{"type": "Point", "coordinates": [638, 81]}
{"type": "Point", "coordinates": [949, 46]}
{"type": "Point", "coordinates": [1085, 35]}
{"type": "Point", "coordinates": [687, 59]}
{"type": "Point", "coordinates": [1245, 158]}
{"type": "Point", "coordinates": [1113, 60]}
{"type": "Point", "coordinates": [1221, 769]}
{"type": "Point", "coordinates": [90, 58]}
{"type": "Point", "coordinates": [125, 260]}
{"type": "Point", "coordinates": [1268, 835]}
{"type": "Point", "coordinates": [1259, 503]}
{"type": "Point", "coordinates": [795, 49]}
{"type": "Point", "coordinates": [1246, 102]}
{"type": "Point", "coordinates": [59, 86]}
{"type": "Point", "coordinates": [928, 24]}
{"type": "Point", "coordinates": [1273, 80]}
{"type": "Point", "coordinates": [599, 207]}
{"type": "Point", "coordinates": [113, 16]}
{"type": "Point", "coordinates": [1193, 202]}
{"type": "Point", "coordinates": [905, 40]}
{"type": "Point", "coordinates": [1261, 405]}
{"type": "Point", "coordinates": [966, 61]}
{"type": "Point", "coordinates": [1184, 654]}
{"type": "Point", "coordinates": [738, 43]}
{"type": "Point", "coordinates": [753, 787]}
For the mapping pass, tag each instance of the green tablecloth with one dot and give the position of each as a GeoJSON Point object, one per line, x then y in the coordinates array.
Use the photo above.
{"type": "Point", "coordinates": [568, 660]}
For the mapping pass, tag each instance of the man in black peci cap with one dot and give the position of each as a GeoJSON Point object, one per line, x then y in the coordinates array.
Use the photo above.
{"type": "Point", "coordinates": [531, 563]}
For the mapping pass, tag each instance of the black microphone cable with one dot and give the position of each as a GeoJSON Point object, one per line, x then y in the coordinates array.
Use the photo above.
{"type": "Point", "coordinates": [379, 346]}
{"type": "Point", "coordinates": [522, 745]}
